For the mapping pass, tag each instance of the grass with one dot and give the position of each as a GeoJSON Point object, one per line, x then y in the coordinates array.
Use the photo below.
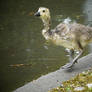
{"type": "Point", "coordinates": [80, 83]}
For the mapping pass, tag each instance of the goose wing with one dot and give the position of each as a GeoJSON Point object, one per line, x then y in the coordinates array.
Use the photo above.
{"type": "Point", "coordinates": [75, 30]}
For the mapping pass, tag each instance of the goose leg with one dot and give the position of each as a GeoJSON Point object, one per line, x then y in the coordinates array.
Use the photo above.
{"type": "Point", "coordinates": [71, 55]}
{"type": "Point", "coordinates": [71, 63]}
{"type": "Point", "coordinates": [77, 57]}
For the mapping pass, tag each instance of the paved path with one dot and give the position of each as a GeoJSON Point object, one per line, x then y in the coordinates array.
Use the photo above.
{"type": "Point", "coordinates": [51, 80]}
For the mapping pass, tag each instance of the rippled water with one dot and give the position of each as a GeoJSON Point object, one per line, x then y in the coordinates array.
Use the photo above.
{"type": "Point", "coordinates": [24, 53]}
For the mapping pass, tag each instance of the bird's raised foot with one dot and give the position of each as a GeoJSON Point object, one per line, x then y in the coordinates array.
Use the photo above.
{"type": "Point", "coordinates": [68, 65]}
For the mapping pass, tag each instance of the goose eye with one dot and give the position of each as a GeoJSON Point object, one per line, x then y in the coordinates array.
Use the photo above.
{"type": "Point", "coordinates": [43, 10]}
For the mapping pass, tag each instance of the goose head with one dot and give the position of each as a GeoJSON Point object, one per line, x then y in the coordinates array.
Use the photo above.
{"type": "Point", "coordinates": [44, 14]}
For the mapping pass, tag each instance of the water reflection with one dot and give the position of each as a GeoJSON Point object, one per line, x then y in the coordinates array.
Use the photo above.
{"type": "Point", "coordinates": [22, 44]}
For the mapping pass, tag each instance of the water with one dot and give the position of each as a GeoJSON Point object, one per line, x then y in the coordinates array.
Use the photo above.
{"type": "Point", "coordinates": [24, 53]}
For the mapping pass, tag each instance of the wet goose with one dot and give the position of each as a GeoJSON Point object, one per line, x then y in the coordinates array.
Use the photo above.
{"type": "Point", "coordinates": [73, 36]}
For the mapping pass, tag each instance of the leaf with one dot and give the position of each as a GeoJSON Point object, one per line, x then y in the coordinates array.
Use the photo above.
{"type": "Point", "coordinates": [19, 65]}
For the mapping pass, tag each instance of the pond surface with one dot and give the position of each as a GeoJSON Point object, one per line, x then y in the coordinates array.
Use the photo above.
{"type": "Point", "coordinates": [24, 53]}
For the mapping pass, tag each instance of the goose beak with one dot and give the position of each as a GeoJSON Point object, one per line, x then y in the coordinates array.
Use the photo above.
{"type": "Point", "coordinates": [37, 14]}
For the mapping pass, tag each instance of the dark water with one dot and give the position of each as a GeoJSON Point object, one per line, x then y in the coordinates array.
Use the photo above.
{"type": "Point", "coordinates": [24, 53]}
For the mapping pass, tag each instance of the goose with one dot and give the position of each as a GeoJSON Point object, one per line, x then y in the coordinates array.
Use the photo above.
{"type": "Point", "coordinates": [73, 36]}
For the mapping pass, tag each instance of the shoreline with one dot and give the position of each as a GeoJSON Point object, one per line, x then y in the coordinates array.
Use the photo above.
{"type": "Point", "coordinates": [54, 79]}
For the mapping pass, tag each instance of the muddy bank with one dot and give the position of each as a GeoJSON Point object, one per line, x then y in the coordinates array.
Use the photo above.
{"type": "Point", "coordinates": [52, 80]}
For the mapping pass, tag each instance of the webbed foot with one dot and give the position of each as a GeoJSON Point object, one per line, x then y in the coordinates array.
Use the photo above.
{"type": "Point", "coordinates": [71, 63]}
{"type": "Point", "coordinates": [68, 65]}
